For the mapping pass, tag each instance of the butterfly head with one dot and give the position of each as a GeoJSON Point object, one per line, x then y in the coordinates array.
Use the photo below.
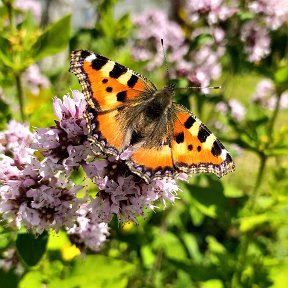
{"type": "Point", "coordinates": [171, 87]}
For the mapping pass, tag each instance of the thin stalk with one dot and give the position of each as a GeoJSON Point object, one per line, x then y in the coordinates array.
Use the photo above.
{"type": "Point", "coordinates": [274, 116]}
{"type": "Point", "coordinates": [17, 74]}
{"type": "Point", "coordinates": [20, 96]}
{"type": "Point", "coordinates": [10, 16]}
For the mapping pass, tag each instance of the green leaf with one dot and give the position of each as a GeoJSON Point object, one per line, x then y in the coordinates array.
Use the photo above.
{"type": "Point", "coordinates": [54, 39]}
{"type": "Point", "coordinates": [31, 248]}
{"type": "Point", "coordinates": [209, 199]}
{"type": "Point", "coordinates": [281, 75]}
{"type": "Point", "coordinates": [32, 279]}
{"type": "Point", "coordinates": [213, 283]}
{"type": "Point", "coordinates": [249, 223]}
{"type": "Point", "coordinates": [96, 271]}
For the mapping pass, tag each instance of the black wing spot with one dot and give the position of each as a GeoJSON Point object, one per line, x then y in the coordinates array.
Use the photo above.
{"type": "Point", "coordinates": [104, 81]}
{"type": "Point", "coordinates": [189, 122]}
{"type": "Point", "coordinates": [85, 53]}
{"type": "Point", "coordinates": [216, 149]}
{"type": "Point", "coordinates": [117, 71]}
{"type": "Point", "coordinates": [228, 158]}
{"type": "Point", "coordinates": [203, 134]}
{"type": "Point", "coordinates": [132, 81]}
{"type": "Point", "coordinates": [121, 96]}
{"type": "Point", "coordinates": [199, 148]}
{"type": "Point", "coordinates": [109, 89]}
{"type": "Point", "coordinates": [99, 62]}
{"type": "Point", "coordinates": [179, 138]}
{"type": "Point", "coordinates": [190, 147]}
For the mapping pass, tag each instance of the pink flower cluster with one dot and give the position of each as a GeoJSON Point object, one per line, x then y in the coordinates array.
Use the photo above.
{"type": "Point", "coordinates": [233, 107]}
{"type": "Point", "coordinates": [265, 95]}
{"type": "Point", "coordinates": [275, 12]}
{"type": "Point", "coordinates": [31, 196]}
{"type": "Point", "coordinates": [213, 11]}
{"type": "Point", "coordinates": [152, 27]}
{"type": "Point", "coordinates": [87, 233]}
{"type": "Point", "coordinates": [39, 195]}
{"type": "Point", "coordinates": [200, 66]}
{"type": "Point", "coordinates": [32, 5]}
{"type": "Point", "coordinates": [256, 40]}
{"type": "Point", "coordinates": [34, 79]}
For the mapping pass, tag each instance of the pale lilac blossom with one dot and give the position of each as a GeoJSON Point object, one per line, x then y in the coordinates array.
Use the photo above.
{"type": "Point", "coordinates": [16, 137]}
{"type": "Point", "coordinates": [86, 233]}
{"type": "Point", "coordinates": [33, 78]}
{"type": "Point", "coordinates": [265, 95]}
{"type": "Point", "coordinates": [33, 5]}
{"type": "Point", "coordinates": [153, 26]}
{"type": "Point", "coordinates": [275, 12]}
{"type": "Point", "coordinates": [11, 260]}
{"type": "Point", "coordinates": [213, 10]}
{"type": "Point", "coordinates": [39, 196]}
{"type": "Point", "coordinates": [39, 203]}
{"type": "Point", "coordinates": [233, 107]}
{"type": "Point", "coordinates": [66, 143]}
{"type": "Point", "coordinates": [256, 41]}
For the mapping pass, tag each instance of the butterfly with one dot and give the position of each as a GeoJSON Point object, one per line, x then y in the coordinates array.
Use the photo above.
{"type": "Point", "coordinates": [125, 109]}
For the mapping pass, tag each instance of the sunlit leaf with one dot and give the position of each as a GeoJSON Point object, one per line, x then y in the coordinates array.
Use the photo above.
{"type": "Point", "coordinates": [53, 40]}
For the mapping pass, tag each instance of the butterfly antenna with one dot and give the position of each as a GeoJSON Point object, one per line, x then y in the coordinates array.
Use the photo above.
{"type": "Point", "coordinates": [200, 87]}
{"type": "Point", "coordinates": [165, 60]}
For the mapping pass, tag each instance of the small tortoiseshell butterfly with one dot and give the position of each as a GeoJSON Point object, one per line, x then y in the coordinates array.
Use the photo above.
{"type": "Point", "coordinates": [126, 110]}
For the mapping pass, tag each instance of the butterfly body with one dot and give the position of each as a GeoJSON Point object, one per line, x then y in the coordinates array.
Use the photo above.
{"type": "Point", "coordinates": [127, 111]}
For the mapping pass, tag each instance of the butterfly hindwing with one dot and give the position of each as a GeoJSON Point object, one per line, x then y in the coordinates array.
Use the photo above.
{"type": "Point", "coordinates": [109, 140]}
{"type": "Point", "coordinates": [152, 162]}
{"type": "Point", "coordinates": [195, 148]}
{"type": "Point", "coordinates": [106, 84]}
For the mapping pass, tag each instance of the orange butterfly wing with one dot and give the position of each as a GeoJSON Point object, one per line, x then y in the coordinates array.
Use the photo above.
{"type": "Point", "coordinates": [107, 86]}
{"type": "Point", "coordinates": [191, 148]}
{"type": "Point", "coordinates": [195, 148]}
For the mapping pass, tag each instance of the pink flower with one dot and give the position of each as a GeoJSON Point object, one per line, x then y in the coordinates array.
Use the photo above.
{"type": "Point", "coordinates": [39, 203]}
{"type": "Point", "coordinates": [256, 41]}
{"type": "Point", "coordinates": [214, 10]}
{"type": "Point", "coordinates": [151, 28]}
{"type": "Point", "coordinates": [11, 260]}
{"type": "Point", "coordinates": [265, 95]}
{"type": "Point", "coordinates": [66, 143]}
{"type": "Point", "coordinates": [86, 233]}
{"type": "Point", "coordinates": [33, 5]}
{"type": "Point", "coordinates": [34, 79]}
{"type": "Point", "coordinates": [233, 107]}
{"type": "Point", "coordinates": [275, 12]}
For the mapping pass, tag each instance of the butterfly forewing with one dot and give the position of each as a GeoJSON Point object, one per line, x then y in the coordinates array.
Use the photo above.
{"type": "Point", "coordinates": [107, 85]}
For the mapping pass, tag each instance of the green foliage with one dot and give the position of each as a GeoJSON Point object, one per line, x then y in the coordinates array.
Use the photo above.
{"type": "Point", "coordinates": [228, 233]}
{"type": "Point", "coordinates": [53, 39]}
{"type": "Point", "coordinates": [31, 248]}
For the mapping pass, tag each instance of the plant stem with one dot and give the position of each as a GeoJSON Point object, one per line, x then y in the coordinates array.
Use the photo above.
{"type": "Point", "coordinates": [17, 74]}
{"type": "Point", "coordinates": [20, 96]}
{"type": "Point", "coordinates": [10, 16]}
{"type": "Point", "coordinates": [274, 116]}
